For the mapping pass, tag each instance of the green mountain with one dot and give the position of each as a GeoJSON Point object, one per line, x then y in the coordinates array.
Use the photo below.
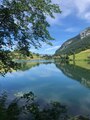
{"type": "Point", "coordinates": [75, 45]}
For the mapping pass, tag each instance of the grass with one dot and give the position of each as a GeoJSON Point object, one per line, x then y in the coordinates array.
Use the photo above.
{"type": "Point", "coordinates": [81, 59]}
{"type": "Point", "coordinates": [82, 55]}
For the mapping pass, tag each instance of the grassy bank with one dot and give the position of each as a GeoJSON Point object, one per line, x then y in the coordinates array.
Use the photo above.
{"type": "Point", "coordinates": [84, 55]}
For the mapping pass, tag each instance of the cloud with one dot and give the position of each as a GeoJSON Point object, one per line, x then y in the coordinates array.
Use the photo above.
{"type": "Point", "coordinates": [65, 8]}
{"type": "Point", "coordinates": [45, 50]}
{"type": "Point", "coordinates": [33, 50]}
{"type": "Point", "coordinates": [71, 29]}
{"type": "Point", "coordinates": [79, 8]}
{"type": "Point", "coordinates": [53, 48]}
{"type": "Point", "coordinates": [55, 21]}
{"type": "Point", "coordinates": [83, 9]}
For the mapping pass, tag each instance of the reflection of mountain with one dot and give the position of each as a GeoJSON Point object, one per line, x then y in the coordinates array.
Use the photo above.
{"type": "Point", "coordinates": [75, 72]}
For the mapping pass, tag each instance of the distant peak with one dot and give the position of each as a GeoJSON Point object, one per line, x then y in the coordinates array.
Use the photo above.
{"type": "Point", "coordinates": [85, 33]}
{"type": "Point", "coordinates": [75, 44]}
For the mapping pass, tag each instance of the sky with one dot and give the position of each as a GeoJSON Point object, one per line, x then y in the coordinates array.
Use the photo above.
{"type": "Point", "coordinates": [74, 18]}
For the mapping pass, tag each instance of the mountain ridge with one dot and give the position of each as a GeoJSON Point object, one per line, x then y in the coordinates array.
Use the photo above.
{"type": "Point", "coordinates": [76, 44]}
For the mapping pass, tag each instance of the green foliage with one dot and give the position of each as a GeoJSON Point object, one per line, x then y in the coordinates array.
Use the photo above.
{"type": "Point", "coordinates": [6, 63]}
{"type": "Point", "coordinates": [24, 22]}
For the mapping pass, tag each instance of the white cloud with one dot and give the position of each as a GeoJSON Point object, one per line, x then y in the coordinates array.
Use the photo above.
{"type": "Point", "coordinates": [79, 8]}
{"type": "Point", "coordinates": [87, 16]}
{"type": "Point", "coordinates": [33, 50]}
{"type": "Point", "coordinates": [71, 29]}
{"type": "Point", "coordinates": [65, 7]}
{"type": "Point", "coordinates": [52, 48]}
{"type": "Point", "coordinates": [83, 9]}
{"type": "Point", "coordinates": [54, 21]}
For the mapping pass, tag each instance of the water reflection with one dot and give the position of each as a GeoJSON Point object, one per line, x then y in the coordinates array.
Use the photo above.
{"type": "Point", "coordinates": [71, 70]}
{"type": "Point", "coordinates": [22, 65]}
{"type": "Point", "coordinates": [28, 107]}
{"type": "Point", "coordinates": [75, 72]}
{"type": "Point", "coordinates": [47, 81]}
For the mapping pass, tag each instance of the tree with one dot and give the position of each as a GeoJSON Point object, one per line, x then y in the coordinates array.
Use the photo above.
{"type": "Point", "coordinates": [23, 23]}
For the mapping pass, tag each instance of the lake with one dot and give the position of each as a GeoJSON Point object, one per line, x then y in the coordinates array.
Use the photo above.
{"type": "Point", "coordinates": [52, 80]}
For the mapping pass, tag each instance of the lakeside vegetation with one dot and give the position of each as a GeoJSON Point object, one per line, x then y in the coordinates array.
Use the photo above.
{"type": "Point", "coordinates": [17, 55]}
{"type": "Point", "coordinates": [81, 56]}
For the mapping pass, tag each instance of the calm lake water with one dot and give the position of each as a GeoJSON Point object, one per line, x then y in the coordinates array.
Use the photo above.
{"type": "Point", "coordinates": [52, 80]}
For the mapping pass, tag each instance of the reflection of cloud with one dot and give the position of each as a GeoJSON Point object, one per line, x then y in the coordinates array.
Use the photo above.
{"type": "Point", "coordinates": [84, 103]}
{"type": "Point", "coordinates": [19, 94]}
{"type": "Point", "coordinates": [86, 99]}
{"type": "Point", "coordinates": [70, 87]}
{"type": "Point", "coordinates": [17, 74]}
{"type": "Point", "coordinates": [20, 74]}
{"type": "Point", "coordinates": [54, 70]}
{"type": "Point", "coordinates": [44, 73]}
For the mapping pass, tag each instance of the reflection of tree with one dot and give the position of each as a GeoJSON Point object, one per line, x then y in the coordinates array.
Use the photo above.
{"type": "Point", "coordinates": [6, 63]}
{"type": "Point", "coordinates": [9, 65]}
{"type": "Point", "coordinates": [27, 107]}
{"type": "Point", "coordinates": [75, 72]}
{"type": "Point", "coordinates": [30, 109]}
{"type": "Point", "coordinates": [28, 65]}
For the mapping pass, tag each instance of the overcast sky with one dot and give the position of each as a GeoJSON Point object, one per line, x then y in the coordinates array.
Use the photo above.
{"type": "Point", "coordinates": [74, 18]}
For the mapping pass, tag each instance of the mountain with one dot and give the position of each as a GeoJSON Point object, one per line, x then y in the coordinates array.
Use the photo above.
{"type": "Point", "coordinates": [77, 44]}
